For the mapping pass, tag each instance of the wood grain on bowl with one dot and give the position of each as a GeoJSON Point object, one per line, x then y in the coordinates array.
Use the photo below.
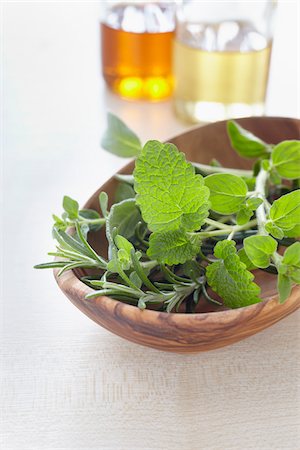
{"type": "Point", "coordinates": [190, 332]}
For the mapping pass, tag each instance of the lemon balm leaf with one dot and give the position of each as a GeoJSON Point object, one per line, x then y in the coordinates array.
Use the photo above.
{"type": "Point", "coordinates": [169, 193]}
{"type": "Point", "coordinates": [173, 247]}
{"type": "Point", "coordinates": [230, 279]}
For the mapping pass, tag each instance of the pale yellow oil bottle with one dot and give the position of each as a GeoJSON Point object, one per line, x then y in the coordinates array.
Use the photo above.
{"type": "Point", "coordinates": [215, 85]}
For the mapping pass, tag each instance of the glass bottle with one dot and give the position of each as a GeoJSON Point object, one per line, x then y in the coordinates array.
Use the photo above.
{"type": "Point", "coordinates": [222, 53]}
{"type": "Point", "coordinates": [136, 44]}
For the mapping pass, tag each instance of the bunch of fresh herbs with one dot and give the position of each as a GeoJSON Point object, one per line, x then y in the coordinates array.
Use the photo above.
{"type": "Point", "coordinates": [179, 232]}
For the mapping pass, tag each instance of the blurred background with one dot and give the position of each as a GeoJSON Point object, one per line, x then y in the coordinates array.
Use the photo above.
{"type": "Point", "coordinates": [52, 61]}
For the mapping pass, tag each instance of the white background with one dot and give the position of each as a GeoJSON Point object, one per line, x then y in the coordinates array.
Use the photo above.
{"type": "Point", "coordinates": [67, 383]}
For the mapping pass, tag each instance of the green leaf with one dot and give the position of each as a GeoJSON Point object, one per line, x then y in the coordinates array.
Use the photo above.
{"type": "Point", "coordinates": [254, 202]}
{"type": "Point", "coordinates": [295, 276]}
{"type": "Point", "coordinates": [250, 183]}
{"type": "Point", "coordinates": [69, 243]}
{"type": "Point", "coordinates": [230, 279]}
{"type": "Point", "coordinates": [135, 279]}
{"type": "Point", "coordinates": [245, 260]}
{"type": "Point", "coordinates": [256, 169]}
{"type": "Point", "coordinates": [123, 192]}
{"type": "Point", "coordinates": [173, 247]}
{"type": "Point", "coordinates": [114, 265]}
{"type": "Point", "coordinates": [290, 265]}
{"type": "Point", "coordinates": [103, 202]}
{"type": "Point", "coordinates": [51, 265]}
{"type": "Point", "coordinates": [123, 217]}
{"type": "Point", "coordinates": [84, 242]}
{"type": "Point", "coordinates": [244, 142]}
{"type": "Point", "coordinates": [284, 286]}
{"type": "Point", "coordinates": [215, 163]}
{"type": "Point", "coordinates": [245, 212]}
{"type": "Point", "coordinates": [118, 263]}
{"type": "Point", "coordinates": [227, 192]}
{"type": "Point", "coordinates": [170, 194]}
{"type": "Point", "coordinates": [91, 214]}
{"type": "Point", "coordinates": [274, 230]}
{"type": "Point", "coordinates": [291, 256]}
{"type": "Point", "coordinates": [275, 177]}
{"type": "Point", "coordinates": [124, 259]}
{"type": "Point", "coordinates": [286, 159]}
{"type": "Point", "coordinates": [71, 207]}
{"type": "Point", "coordinates": [285, 212]}
{"type": "Point", "coordinates": [265, 164]}
{"type": "Point", "coordinates": [193, 270]}
{"type": "Point", "coordinates": [243, 216]}
{"type": "Point", "coordinates": [119, 139]}
{"type": "Point", "coordinates": [124, 244]}
{"type": "Point", "coordinates": [259, 249]}
{"type": "Point", "coordinates": [59, 224]}
{"type": "Point", "coordinates": [288, 271]}
{"type": "Point", "coordinates": [294, 232]}
{"type": "Point", "coordinates": [142, 272]}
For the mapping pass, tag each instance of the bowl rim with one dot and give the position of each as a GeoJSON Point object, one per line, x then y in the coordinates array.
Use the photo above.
{"type": "Point", "coordinates": [69, 277]}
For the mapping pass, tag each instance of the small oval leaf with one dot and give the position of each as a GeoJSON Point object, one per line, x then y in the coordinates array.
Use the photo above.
{"type": "Point", "coordinates": [244, 142]}
{"type": "Point", "coordinates": [286, 159]}
{"type": "Point", "coordinates": [259, 249]}
{"type": "Point", "coordinates": [227, 192]}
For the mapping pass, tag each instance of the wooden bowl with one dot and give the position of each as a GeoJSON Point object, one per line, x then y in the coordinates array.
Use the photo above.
{"type": "Point", "coordinates": [187, 333]}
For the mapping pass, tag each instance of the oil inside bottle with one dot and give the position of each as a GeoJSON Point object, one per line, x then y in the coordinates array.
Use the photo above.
{"type": "Point", "coordinates": [136, 45]}
{"type": "Point", "coordinates": [221, 71]}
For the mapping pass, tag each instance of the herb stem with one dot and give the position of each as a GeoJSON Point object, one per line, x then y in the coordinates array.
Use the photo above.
{"type": "Point", "coordinates": [207, 169]}
{"type": "Point", "coordinates": [229, 238]}
{"type": "Point", "coordinates": [139, 270]}
{"type": "Point", "coordinates": [100, 221]}
{"type": "Point", "coordinates": [227, 230]}
{"type": "Point", "coordinates": [223, 220]}
{"type": "Point", "coordinates": [260, 188]}
{"type": "Point", "coordinates": [149, 264]}
{"type": "Point", "coordinates": [215, 224]}
{"type": "Point", "coordinates": [276, 258]}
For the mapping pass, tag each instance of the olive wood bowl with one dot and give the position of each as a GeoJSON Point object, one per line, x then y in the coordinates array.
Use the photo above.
{"type": "Point", "coordinates": [209, 328]}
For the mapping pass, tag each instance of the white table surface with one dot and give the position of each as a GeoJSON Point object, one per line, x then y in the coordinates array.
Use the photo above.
{"type": "Point", "coordinates": [67, 383]}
